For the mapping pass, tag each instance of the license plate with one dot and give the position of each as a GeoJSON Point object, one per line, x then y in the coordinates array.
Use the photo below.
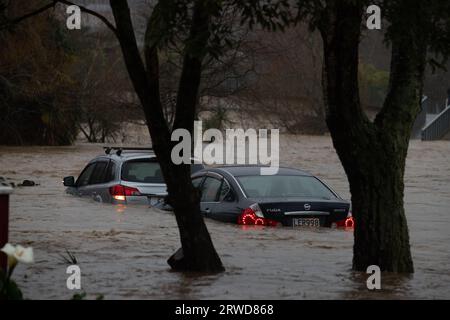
{"type": "Point", "coordinates": [306, 222]}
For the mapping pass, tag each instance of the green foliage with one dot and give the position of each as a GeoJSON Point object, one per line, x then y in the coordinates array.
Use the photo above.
{"type": "Point", "coordinates": [432, 19]}
{"type": "Point", "coordinates": [373, 84]}
{"type": "Point", "coordinates": [431, 22]}
{"type": "Point", "coordinates": [271, 15]}
{"type": "Point", "coordinates": [83, 296]}
{"type": "Point", "coordinates": [171, 21]}
{"type": "Point", "coordinates": [51, 79]}
{"type": "Point", "coordinates": [79, 296]}
{"type": "Point", "coordinates": [9, 289]}
{"type": "Point", "coordinates": [35, 89]}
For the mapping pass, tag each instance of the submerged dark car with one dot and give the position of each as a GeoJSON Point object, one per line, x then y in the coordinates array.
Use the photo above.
{"type": "Point", "coordinates": [292, 197]}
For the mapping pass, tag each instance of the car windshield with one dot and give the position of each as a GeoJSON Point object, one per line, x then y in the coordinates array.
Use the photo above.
{"type": "Point", "coordinates": [284, 186]}
{"type": "Point", "coordinates": [142, 170]}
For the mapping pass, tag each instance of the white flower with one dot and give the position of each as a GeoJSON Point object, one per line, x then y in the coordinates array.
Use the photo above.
{"type": "Point", "coordinates": [18, 254]}
{"type": "Point", "coordinates": [8, 249]}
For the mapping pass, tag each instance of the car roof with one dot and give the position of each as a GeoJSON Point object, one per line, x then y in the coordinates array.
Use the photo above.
{"type": "Point", "coordinates": [125, 156]}
{"type": "Point", "coordinates": [254, 170]}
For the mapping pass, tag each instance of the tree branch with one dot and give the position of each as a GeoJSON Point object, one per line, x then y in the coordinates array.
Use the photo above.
{"type": "Point", "coordinates": [92, 13]}
{"type": "Point", "coordinates": [408, 62]}
{"type": "Point", "coordinates": [52, 5]}
{"type": "Point", "coordinates": [192, 68]}
{"type": "Point", "coordinates": [146, 88]}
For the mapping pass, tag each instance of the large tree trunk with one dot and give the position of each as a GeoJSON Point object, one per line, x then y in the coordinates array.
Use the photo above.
{"type": "Point", "coordinates": [373, 154]}
{"type": "Point", "coordinates": [381, 235]}
{"type": "Point", "coordinates": [198, 252]}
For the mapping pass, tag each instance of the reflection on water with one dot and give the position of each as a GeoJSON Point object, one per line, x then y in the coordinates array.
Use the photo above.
{"type": "Point", "coordinates": [122, 250]}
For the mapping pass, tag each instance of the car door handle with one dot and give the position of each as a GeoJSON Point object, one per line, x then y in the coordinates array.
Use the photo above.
{"type": "Point", "coordinates": [207, 211]}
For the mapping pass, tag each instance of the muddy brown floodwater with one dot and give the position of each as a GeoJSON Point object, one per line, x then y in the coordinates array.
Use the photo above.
{"type": "Point", "coordinates": [122, 251]}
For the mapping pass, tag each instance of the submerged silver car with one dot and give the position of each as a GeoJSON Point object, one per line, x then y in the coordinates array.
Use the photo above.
{"type": "Point", "coordinates": [122, 176]}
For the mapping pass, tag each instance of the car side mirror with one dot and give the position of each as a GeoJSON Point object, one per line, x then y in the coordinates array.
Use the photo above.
{"type": "Point", "coordinates": [69, 181]}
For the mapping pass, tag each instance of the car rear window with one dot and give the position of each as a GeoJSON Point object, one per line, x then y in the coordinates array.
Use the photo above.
{"type": "Point", "coordinates": [142, 170]}
{"type": "Point", "coordinates": [285, 187]}
{"type": "Point", "coordinates": [147, 171]}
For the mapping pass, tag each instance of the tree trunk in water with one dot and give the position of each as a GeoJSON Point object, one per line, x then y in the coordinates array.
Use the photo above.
{"type": "Point", "coordinates": [381, 237]}
{"type": "Point", "coordinates": [198, 252]}
{"type": "Point", "coordinates": [373, 154]}
{"type": "Point", "coordinates": [381, 232]}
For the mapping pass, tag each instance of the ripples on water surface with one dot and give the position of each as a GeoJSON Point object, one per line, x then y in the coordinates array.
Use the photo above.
{"type": "Point", "coordinates": [122, 251]}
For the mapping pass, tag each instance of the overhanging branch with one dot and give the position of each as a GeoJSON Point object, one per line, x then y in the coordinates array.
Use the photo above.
{"type": "Point", "coordinates": [93, 13]}
{"type": "Point", "coordinates": [52, 5]}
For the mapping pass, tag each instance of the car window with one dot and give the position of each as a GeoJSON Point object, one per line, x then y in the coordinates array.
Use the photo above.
{"type": "Point", "coordinates": [285, 186]}
{"type": "Point", "coordinates": [224, 190]}
{"type": "Point", "coordinates": [85, 175]}
{"type": "Point", "coordinates": [197, 181]}
{"type": "Point", "coordinates": [99, 173]}
{"type": "Point", "coordinates": [110, 172]}
{"type": "Point", "coordinates": [142, 170]}
{"type": "Point", "coordinates": [210, 189]}
{"type": "Point", "coordinates": [196, 167]}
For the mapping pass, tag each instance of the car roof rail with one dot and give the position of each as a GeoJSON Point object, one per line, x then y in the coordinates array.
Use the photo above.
{"type": "Point", "coordinates": [120, 150]}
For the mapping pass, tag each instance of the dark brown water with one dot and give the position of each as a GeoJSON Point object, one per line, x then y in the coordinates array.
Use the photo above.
{"type": "Point", "coordinates": [122, 251]}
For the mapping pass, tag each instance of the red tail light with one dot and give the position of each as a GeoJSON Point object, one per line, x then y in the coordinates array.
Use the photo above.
{"type": "Point", "coordinates": [249, 218]}
{"type": "Point", "coordinates": [348, 223]}
{"type": "Point", "coordinates": [119, 192]}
